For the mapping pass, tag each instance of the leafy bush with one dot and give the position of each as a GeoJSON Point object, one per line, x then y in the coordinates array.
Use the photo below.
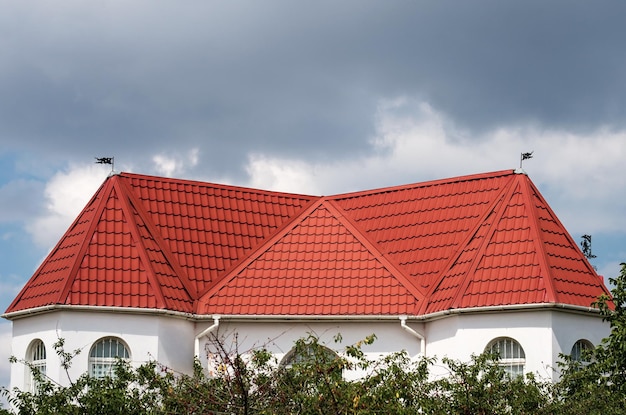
{"type": "Point", "coordinates": [314, 382]}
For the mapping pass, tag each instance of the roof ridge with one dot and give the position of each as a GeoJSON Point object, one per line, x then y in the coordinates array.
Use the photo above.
{"type": "Point", "coordinates": [429, 183]}
{"type": "Point", "coordinates": [454, 258]}
{"type": "Point", "coordinates": [565, 233]}
{"type": "Point", "coordinates": [555, 218]}
{"type": "Point", "coordinates": [259, 250]}
{"type": "Point", "coordinates": [341, 215]}
{"type": "Point", "coordinates": [510, 188]}
{"type": "Point", "coordinates": [222, 186]}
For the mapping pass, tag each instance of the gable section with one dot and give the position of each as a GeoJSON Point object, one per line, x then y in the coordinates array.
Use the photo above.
{"type": "Point", "coordinates": [421, 227]}
{"type": "Point", "coordinates": [317, 267]}
{"type": "Point", "coordinates": [209, 227]}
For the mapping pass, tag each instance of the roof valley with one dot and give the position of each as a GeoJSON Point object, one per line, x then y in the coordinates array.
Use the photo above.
{"type": "Point", "coordinates": [499, 200]}
{"type": "Point", "coordinates": [130, 202]}
{"type": "Point", "coordinates": [465, 242]}
{"type": "Point", "coordinates": [259, 249]}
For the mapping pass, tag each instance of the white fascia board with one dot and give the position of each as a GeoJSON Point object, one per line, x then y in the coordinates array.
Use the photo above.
{"type": "Point", "coordinates": [240, 317]}
{"type": "Point", "coordinates": [99, 309]}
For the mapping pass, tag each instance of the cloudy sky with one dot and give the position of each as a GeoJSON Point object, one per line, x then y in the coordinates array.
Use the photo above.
{"type": "Point", "coordinates": [311, 97]}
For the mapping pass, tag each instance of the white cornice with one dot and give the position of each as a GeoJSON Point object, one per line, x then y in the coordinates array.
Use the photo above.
{"type": "Point", "coordinates": [271, 318]}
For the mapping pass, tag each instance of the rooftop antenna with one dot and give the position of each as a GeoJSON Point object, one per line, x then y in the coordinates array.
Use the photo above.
{"type": "Point", "coordinates": [106, 160]}
{"type": "Point", "coordinates": [525, 156]}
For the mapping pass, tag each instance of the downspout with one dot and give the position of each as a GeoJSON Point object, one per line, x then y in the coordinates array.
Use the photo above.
{"type": "Point", "coordinates": [415, 334]}
{"type": "Point", "coordinates": [215, 325]}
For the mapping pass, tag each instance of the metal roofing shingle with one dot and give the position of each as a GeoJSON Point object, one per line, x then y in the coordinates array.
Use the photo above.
{"type": "Point", "coordinates": [318, 267]}
{"type": "Point", "coordinates": [229, 220]}
{"type": "Point", "coordinates": [436, 217]}
{"type": "Point", "coordinates": [520, 261]}
{"type": "Point", "coordinates": [47, 284]}
{"type": "Point", "coordinates": [470, 241]}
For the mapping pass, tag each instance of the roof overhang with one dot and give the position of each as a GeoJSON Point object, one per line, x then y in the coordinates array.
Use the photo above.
{"type": "Point", "coordinates": [16, 315]}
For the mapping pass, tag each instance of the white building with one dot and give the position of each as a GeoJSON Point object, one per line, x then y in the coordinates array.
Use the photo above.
{"type": "Point", "coordinates": [153, 267]}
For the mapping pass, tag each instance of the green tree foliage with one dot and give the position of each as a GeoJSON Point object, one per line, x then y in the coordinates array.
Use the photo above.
{"type": "Point", "coordinates": [127, 391]}
{"type": "Point", "coordinates": [315, 381]}
{"type": "Point", "coordinates": [597, 383]}
{"type": "Point", "coordinates": [482, 387]}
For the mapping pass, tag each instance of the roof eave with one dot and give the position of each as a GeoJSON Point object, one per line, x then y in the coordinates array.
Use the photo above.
{"type": "Point", "coordinates": [509, 308]}
{"type": "Point", "coordinates": [426, 317]}
{"type": "Point", "coordinates": [16, 315]}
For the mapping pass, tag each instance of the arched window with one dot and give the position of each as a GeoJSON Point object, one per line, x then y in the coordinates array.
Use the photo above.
{"type": "Point", "coordinates": [512, 356]}
{"type": "Point", "coordinates": [304, 353]}
{"type": "Point", "coordinates": [104, 354]}
{"type": "Point", "coordinates": [37, 358]}
{"type": "Point", "coordinates": [578, 349]}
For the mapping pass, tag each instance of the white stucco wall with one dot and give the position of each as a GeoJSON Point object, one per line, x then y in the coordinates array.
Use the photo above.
{"type": "Point", "coordinates": [543, 334]}
{"type": "Point", "coordinates": [149, 337]}
{"type": "Point", "coordinates": [461, 336]}
{"type": "Point", "coordinates": [568, 328]}
{"type": "Point", "coordinates": [279, 337]}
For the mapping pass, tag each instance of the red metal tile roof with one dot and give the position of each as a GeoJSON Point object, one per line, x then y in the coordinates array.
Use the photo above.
{"type": "Point", "coordinates": [472, 241]}
{"type": "Point", "coordinates": [317, 266]}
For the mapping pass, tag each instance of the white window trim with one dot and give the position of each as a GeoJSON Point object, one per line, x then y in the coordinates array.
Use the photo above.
{"type": "Point", "coordinates": [37, 359]}
{"type": "Point", "coordinates": [578, 347]}
{"type": "Point", "coordinates": [510, 364]}
{"type": "Point", "coordinates": [102, 366]}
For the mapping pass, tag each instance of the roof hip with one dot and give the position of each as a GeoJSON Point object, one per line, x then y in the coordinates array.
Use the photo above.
{"type": "Point", "coordinates": [480, 240]}
{"type": "Point", "coordinates": [506, 194]}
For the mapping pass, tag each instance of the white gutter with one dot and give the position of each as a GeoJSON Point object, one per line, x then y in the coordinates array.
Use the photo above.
{"type": "Point", "coordinates": [196, 346]}
{"type": "Point", "coordinates": [418, 318]}
{"type": "Point", "coordinates": [415, 334]}
{"type": "Point", "coordinates": [107, 309]}
{"type": "Point", "coordinates": [507, 308]}
{"type": "Point", "coordinates": [200, 317]}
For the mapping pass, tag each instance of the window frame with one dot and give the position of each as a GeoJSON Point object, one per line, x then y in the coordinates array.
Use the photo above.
{"type": "Point", "coordinates": [578, 348]}
{"type": "Point", "coordinates": [513, 361]}
{"type": "Point", "coordinates": [102, 360]}
{"type": "Point", "coordinates": [295, 356]}
{"type": "Point", "coordinates": [37, 360]}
